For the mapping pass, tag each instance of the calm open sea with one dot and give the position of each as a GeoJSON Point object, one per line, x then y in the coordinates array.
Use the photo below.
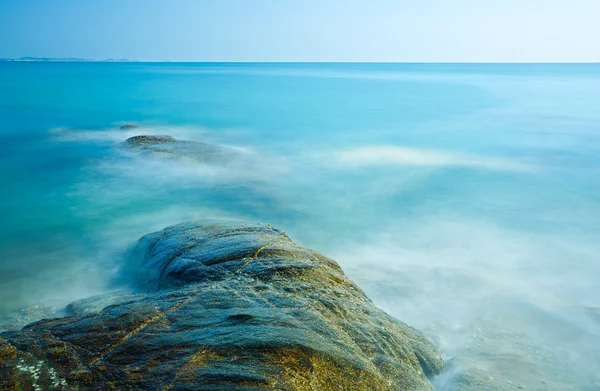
{"type": "Point", "coordinates": [464, 199]}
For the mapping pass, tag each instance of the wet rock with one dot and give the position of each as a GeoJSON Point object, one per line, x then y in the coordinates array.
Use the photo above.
{"type": "Point", "coordinates": [229, 306]}
{"type": "Point", "coordinates": [171, 148]}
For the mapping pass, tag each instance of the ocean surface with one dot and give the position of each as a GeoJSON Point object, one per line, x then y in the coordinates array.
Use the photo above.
{"type": "Point", "coordinates": [463, 198]}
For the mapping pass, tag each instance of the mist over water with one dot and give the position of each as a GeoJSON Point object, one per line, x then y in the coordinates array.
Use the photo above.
{"type": "Point", "coordinates": [464, 199]}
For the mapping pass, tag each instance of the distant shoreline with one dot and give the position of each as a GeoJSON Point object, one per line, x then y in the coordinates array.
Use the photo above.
{"type": "Point", "coordinates": [62, 59]}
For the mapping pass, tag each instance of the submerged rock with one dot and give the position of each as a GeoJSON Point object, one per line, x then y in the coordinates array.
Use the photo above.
{"type": "Point", "coordinates": [15, 320]}
{"type": "Point", "coordinates": [229, 306]}
{"type": "Point", "coordinates": [129, 126]}
{"type": "Point", "coordinates": [594, 313]}
{"type": "Point", "coordinates": [170, 147]}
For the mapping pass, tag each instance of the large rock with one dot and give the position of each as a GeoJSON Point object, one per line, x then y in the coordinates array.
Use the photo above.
{"type": "Point", "coordinates": [171, 148]}
{"type": "Point", "coordinates": [228, 306]}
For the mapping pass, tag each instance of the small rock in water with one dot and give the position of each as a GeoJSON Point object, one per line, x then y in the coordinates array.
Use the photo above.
{"type": "Point", "coordinates": [129, 126]}
{"type": "Point", "coordinates": [146, 140]}
{"type": "Point", "coordinates": [169, 147]}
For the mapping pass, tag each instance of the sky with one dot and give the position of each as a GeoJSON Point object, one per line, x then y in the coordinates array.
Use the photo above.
{"type": "Point", "coordinates": [304, 30]}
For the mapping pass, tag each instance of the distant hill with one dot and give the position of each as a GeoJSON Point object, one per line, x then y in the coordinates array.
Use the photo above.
{"type": "Point", "coordinates": [62, 59]}
{"type": "Point", "coordinates": [117, 60]}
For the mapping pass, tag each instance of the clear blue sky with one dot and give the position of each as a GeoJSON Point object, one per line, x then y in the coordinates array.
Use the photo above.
{"type": "Point", "coordinates": [303, 30]}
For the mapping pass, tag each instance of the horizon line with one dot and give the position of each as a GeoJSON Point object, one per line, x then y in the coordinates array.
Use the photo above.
{"type": "Point", "coordinates": [123, 61]}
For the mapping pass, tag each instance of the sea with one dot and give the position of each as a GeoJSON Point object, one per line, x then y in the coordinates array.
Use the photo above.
{"type": "Point", "coordinates": [463, 198]}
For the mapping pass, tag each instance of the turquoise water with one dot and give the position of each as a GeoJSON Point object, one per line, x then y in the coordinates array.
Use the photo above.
{"type": "Point", "coordinates": [464, 199]}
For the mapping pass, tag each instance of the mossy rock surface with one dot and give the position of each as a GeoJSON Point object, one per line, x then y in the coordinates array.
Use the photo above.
{"type": "Point", "coordinates": [228, 306]}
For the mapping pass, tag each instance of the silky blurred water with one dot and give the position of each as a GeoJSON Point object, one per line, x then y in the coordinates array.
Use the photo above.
{"type": "Point", "coordinates": [464, 199]}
